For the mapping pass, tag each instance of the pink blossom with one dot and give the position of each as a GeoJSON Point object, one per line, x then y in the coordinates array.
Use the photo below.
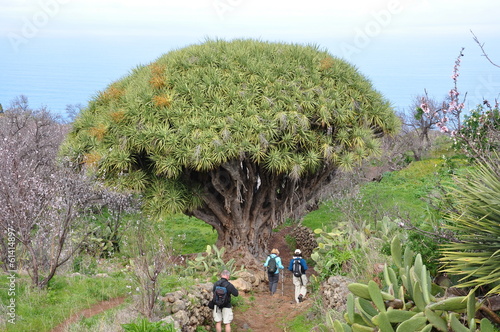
{"type": "Point", "coordinates": [424, 108]}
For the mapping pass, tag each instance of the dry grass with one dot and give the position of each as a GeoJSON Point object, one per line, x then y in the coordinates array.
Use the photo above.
{"type": "Point", "coordinates": [91, 159]}
{"type": "Point", "coordinates": [326, 63]}
{"type": "Point", "coordinates": [111, 94]}
{"type": "Point", "coordinates": [98, 131]}
{"type": "Point", "coordinates": [117, 116]}
{"type": "Point", "coordinates": [162, 101]}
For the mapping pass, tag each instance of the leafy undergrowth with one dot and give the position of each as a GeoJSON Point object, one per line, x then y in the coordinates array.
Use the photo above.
{"type": "Point", "coordinates": [405, 191]}
{"type": "Point", "coordinates": [402, 191]}
{"type": "Point", "coordinates": [42, 310]}
{"type": "Point", "coordinates": [412, 195]}
{"type": "Point", "coordinates": [188, 235]}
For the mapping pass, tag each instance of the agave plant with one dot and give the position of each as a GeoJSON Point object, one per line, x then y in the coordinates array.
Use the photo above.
{"type": "Point", "coordinates": [476, 256]}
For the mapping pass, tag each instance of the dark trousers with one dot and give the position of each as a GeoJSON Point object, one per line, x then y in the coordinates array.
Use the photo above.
{"type": "Point", "coordinates": [273, 281]}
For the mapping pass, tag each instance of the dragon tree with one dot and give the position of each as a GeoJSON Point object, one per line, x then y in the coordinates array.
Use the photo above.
{"type": "Point", "coordinates": [240, 134]}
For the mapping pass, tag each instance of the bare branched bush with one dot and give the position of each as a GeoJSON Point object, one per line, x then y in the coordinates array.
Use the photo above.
{"type": "Point", "coordinates": [420, 124]}
{"type": "Point", "coordinates": [154, 258]}
{"type": "Point", "coordinates": [48, 208]}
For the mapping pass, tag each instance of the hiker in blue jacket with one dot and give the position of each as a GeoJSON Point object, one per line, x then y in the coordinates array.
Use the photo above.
{"type": "Point", "coordinates": [299, 275]}
{"type": "Point", "coordinates": [273, 269]}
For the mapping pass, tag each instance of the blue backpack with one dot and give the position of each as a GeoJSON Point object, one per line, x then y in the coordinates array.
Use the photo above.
{"type": "Point", "coordinates": [220, 296]}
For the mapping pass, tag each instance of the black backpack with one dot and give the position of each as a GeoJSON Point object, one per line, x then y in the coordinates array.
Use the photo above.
{"type": "Point", "coordinates": [297, 268]}
{"type": "Point", "coordinates": [220, 295]}
{"type": "Point", "coordinates": [271, 265]}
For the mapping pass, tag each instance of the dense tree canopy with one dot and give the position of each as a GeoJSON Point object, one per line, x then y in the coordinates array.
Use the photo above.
{"type": "Point", "coordinates": [237, 133]}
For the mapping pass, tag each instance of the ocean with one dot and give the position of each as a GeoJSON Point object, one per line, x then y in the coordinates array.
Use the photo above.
{"type": "Point", "coordinates": [55, 73]}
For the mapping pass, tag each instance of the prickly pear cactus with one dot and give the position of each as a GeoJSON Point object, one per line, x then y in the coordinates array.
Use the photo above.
{"type": "Point", "coordinates": [408, 302]}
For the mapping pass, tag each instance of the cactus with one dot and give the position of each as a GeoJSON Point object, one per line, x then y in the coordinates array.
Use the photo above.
{"type": "Point", "coordinates": [361, 290]}
{"type": "Point", "coordinates": [211, 262]}
{"type": "Point", "coordinates": [399, 316]}
{"type": "Point", "coordinates": [450, 304]}
{"type": "Point", "coordinates": [332, 252]}
{"type": "Point", "coordinates": [413, 324]}
{"type": "Point", "coordinates": [409, 301]}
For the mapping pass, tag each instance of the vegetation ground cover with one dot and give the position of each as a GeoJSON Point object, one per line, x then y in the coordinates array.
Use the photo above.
{"type": "Point", "coordinates": [187, 235]}
{"type": "Point", "coordinates": [403, 191]}
{"type": "Point", "coordinates": [42, 310]}
{"type": "Point", "coordinates": [355, 230]}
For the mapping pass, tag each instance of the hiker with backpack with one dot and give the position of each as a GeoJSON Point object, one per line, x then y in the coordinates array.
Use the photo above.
{"type": "Point", "coordinates": [273, 266]}
{"type": "Point", "coordinates": [221, 302]}
{"type": "Point", "coordinates": [298, 267]}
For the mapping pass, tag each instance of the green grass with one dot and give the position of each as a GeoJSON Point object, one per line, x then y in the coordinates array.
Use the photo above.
{"type": "Point", "coordinates": [241, 304]}
{"type": "Point", "coordinates": [402, 192]}
{"type": "Point", "coordinates": [172, 282]}
{"type": "Point", "coordinates": [405, 189]}
{"type": "Point", "coordinates": [323, 217]}
{"type": "Point", "coordinates": [299, 324]}
{"type": "Point", "coordinates": [442, 146]}
{"type": "Point", "coordinates": [41, 310]}
{"type": "Point", "coordinates": [191, 235]}
{"type": "Point", "coordinates": [186, 235]}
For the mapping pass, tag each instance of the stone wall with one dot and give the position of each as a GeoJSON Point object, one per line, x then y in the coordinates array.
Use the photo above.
{"type": "Point", "coordinates": [334, 292]}
{"type": "Point", "coordinates": [188, 308]}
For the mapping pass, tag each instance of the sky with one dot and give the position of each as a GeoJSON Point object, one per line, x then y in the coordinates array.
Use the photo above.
{"type": "Point", "coordinates": [60, 52]}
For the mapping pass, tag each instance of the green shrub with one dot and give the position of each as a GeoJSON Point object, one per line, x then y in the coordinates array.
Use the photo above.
{"type": "Point", "coordinates": [333, 251]}
{"type": "Point", "coordinates": [211, 263]}
{"type": "Point", "coordinates": [474, 255]}
{"type": "Point", "coordinates": [144, 325]}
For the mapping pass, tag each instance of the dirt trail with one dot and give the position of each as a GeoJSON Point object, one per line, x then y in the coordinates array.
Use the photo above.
{"type": "Point", "coordinates": [271, 313]}
{"type": "Point", "coordinates": [87, 313]}
{"type": "Point", "coordinates": [266, 313]}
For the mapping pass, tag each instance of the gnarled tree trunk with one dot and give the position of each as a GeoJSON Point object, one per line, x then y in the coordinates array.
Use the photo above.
{"type": "Point", "coordinates": [255, 202]}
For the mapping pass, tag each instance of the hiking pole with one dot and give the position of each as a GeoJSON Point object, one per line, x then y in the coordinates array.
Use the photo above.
{"type": "Point", "coordinates": [282, 281]}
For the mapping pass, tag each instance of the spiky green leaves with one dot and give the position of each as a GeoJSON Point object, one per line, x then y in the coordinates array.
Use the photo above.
{"type": "Point", "coordinates": [288, 108]}
{"type": "Point", "coordinates": [477, 223]}
{"type": "Point", "coordinates": [166, 196]}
